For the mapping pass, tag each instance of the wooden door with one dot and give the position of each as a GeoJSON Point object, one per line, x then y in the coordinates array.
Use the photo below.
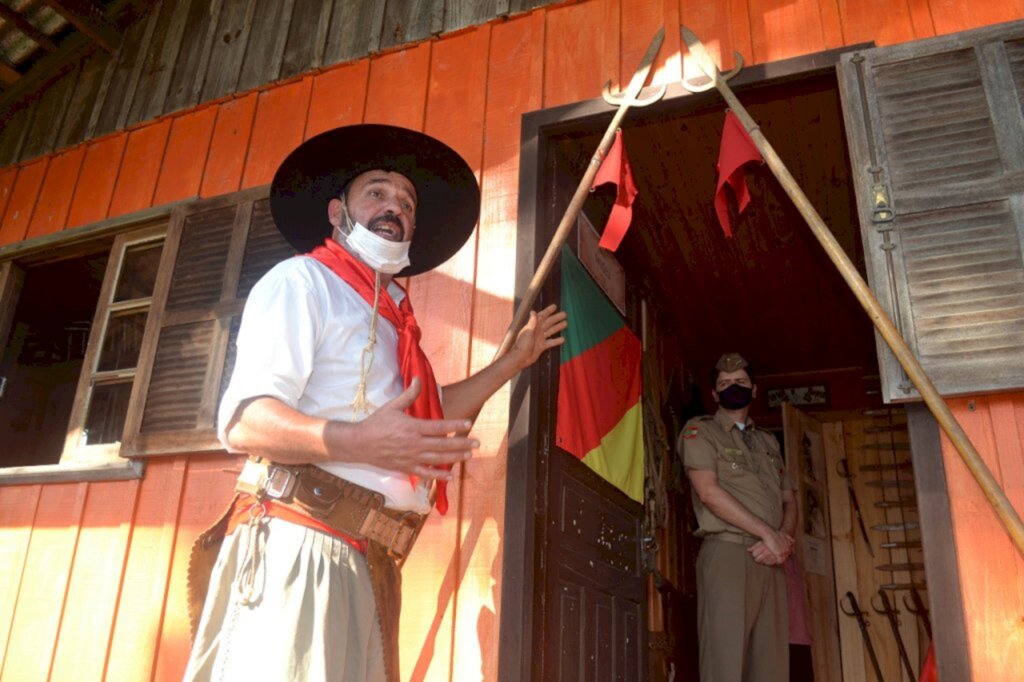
{"type": "Point", "coordinates": [806, 464]}
{"type": "Point", "coordinates": [594, 627]}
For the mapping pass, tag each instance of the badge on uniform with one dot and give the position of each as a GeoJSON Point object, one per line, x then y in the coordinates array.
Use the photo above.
{"type": "Point", "coordinates": [690, 432]}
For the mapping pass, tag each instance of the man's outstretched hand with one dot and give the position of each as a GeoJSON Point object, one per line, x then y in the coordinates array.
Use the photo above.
{"type": "Point", "coordinates": [391, 439]}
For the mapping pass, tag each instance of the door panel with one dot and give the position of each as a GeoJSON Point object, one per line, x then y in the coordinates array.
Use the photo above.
{"type": "Point", "coordinates": [594, 627]}
{"type": "Point", "coordinates": [805, 463]}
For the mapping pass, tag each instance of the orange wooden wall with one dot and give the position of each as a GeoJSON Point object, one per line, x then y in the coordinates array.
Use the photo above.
{"type": "Point", "coordinates": [92, 574]}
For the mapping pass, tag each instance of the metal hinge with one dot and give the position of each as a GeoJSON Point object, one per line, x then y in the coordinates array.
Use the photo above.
{"type": "Point", "coordinates": [881, 206]}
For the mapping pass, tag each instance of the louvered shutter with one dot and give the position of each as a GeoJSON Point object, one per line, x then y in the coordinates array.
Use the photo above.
{"type": "Point", "coordinates": [215, 251]}
{"type": "Point", "coordinates": [936, 135]}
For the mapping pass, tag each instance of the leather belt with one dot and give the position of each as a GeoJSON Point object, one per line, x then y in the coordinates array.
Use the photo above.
{"type": "Point", "coordinates": [345, 506]}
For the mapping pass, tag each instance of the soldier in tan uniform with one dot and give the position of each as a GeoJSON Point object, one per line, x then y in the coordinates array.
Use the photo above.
{"type": "Point", "coordinates": [746, 511]}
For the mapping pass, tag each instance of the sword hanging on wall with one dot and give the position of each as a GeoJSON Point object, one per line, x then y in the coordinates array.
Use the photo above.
{"type": "Point", "coordinates": [856, 612]}
{"type": "Point", "coordinates": [892, 615]}
{"type": "Point", "coordinates": [969, 454]}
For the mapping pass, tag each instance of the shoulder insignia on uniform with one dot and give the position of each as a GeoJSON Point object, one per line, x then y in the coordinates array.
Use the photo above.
{"type": "Point", "coordinates": [690, 432]}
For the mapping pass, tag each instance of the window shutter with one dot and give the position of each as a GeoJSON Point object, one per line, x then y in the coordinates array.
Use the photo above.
{"type": "Point", "coordinates": [215, 251]}
{"type": "Point", "coordinates": [936, 136]}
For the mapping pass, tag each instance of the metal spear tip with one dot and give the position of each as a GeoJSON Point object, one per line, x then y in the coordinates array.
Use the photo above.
{"type": "Point", "coordinates": [631, 96]}
{"type": "Point", "coordinates": [706, 63]}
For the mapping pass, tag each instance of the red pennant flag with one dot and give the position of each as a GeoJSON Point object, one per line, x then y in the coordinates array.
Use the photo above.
{"type": "Point", "coordinates": [615, 169]}
{"type": "Point", "coordinates": [737, 149]}
{"type": "Point", "coordinates": [929, 671]}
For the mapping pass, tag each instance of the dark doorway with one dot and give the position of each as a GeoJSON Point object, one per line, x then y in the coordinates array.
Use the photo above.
{"type": "Point", "coordinates": [769, 293]}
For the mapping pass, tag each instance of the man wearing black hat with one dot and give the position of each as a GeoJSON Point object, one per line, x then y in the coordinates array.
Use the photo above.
{"type": "Point", "coordinates": [350, 439]}
{"type": "Point", "coordinates": [746, 512]}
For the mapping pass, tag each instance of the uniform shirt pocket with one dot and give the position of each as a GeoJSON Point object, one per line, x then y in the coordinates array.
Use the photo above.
{"type": "Point", "coordinates": [732, 463]}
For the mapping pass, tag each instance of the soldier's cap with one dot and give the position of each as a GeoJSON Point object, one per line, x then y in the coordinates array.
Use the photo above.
{"type": "Point", "coordinates": [731, 362]}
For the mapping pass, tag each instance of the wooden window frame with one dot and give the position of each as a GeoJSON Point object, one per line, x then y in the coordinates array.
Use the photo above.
{"type": "Point", "coordinates": [90, 377]}
{"type": "Point", "coordinates": [13, 259]}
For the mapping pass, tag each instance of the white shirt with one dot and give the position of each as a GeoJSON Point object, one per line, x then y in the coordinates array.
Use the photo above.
{"type": "Point", "coordinates": [301, 341]}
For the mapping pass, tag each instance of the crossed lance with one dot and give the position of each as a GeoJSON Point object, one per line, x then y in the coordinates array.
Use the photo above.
{"type": "Point", "coordinates": [630, 98]}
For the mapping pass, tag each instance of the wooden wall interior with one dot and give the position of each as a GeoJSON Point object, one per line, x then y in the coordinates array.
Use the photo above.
{"type": "Point", "coordinates": [92, 574]}
{"type": "Point", "coordinates": [860, 442]}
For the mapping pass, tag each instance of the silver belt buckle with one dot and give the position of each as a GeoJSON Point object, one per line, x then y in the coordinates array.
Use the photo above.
{"type": "Point", "coordinates": [280, 483]}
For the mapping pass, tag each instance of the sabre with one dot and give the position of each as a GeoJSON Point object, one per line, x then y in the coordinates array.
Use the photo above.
{"type": "Point", "coordinates": [919, 610]}
{"type": "Point", "coordinates": [892, 615]}
{"type": "Point", "coordinates": [629, 98]}
{"type": "Point", "coordinates": [856, 612]}
{"type": "Point", "coordinates": [843, 469]}
{"type": "Point", "coordinates": [996, 496]}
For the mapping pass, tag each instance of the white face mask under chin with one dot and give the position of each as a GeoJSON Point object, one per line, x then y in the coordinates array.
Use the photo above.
{"type": "Point", "coordinates": [384, 256]}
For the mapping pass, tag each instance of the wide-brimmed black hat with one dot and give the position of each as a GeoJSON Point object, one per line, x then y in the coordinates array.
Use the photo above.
{"type": "Point", "coordinates": [448, 198]}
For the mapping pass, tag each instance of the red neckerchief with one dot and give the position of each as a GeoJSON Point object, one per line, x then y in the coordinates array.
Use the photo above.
{"type": "Point", "coordinates": [411, 359]}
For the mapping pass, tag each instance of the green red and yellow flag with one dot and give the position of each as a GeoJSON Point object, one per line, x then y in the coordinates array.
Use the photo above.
{"type": "Point", "coordinates": [600, 420]}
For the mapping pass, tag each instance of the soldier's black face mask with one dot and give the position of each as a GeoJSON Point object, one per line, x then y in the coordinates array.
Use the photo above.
{"type": "Point", "coordinates": [735, 397]}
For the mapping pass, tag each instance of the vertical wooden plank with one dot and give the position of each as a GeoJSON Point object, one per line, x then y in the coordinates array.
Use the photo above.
{"type": "Point", "coordinates": [356, 27]}
{"type": "Point", "coordinates": [845, 537]}
{"type": "Point", "coordinates": [96, 180]}
{"type": "Point", "coordinates": [13, 133]}
{"type": "Point", "coordinates": [158, 61]}
{"type": "Point", "coordinates": [991, 570]}
{"type": "Point", "coordinates": [338, 97]}
{"type": "Point", "coordinates": [55, 196]}
{"type": "Point", "coordinates": [140, 167]}
{"type": "Point", "coordinates": [779, 31]}
{"type": "Point", "coordinates": [44, 583]}
{"type": "Point", "coordinates": [643, 20]}
{"type": "Point", "coordinates": [193, 55]}
{"type": "Point", "coordinates": [227, 148]}
{"type": "Point", "coordinates": [17, 509]}
{"type": "Point", "coordinates": [444, 296]}
{"type": "Point", "coordinates": [951, 16]}
{"type": "Point", "coordinates": [464, 13]}
{"type": "Point", "coordinates": [207, 491]}
{"type": "Point", "coordinates": [85, 629]}
{"type": "Point", "coordinates": [49, 114]}
{"type": "Point", "coordinates": [124, 76]}
{"type": "Point", "coordinates": [140, 608]}
{"type": "Point", "coordinates": [277, 129]}
{"type": "Point", "coordinates": [940, 551]}
{"type": "Point", "coordinates": [514, 87]}
{"type": "Point", "coordinates": [307, 34]}
{"type": "Point", "coordinates": [7, 178]}
{"type": "Point", "coordinates": [921, 16]}
{"type": "Point", "coordinates": [581, 51]}
{"type": "Point", "coordinates": [270, 25]}
{"type": "Point", "coordinates": [23, 201]}
{"type": "Point", "coordinates": [228, 50]}
{"type": "Point", "coordinates": [861, 24]}
{"type": "Point", "coordinates": [723, 27]}
{"type": "Point", "coordinates": [803, 435]}
{"type": "Point", "coordinates": [185, 158]}
{"type": "Point", "coordinates": [407, 22]}
{"type": "Point", "coordinates": [398, 87]}
{"type": "Point", "coordinates": [80, 103]}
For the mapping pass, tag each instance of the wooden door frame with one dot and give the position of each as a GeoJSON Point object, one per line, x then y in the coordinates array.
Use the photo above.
{"type": "Point", "coordinates": [528, 444]}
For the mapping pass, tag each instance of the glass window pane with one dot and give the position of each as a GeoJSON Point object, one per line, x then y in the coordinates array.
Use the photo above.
{"type": "Point", "coordinates": [108, 406]}
{"type": "Point", "coordinates": [138, 272]}
{"type": "Point", "coordinates": [123, 341]}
